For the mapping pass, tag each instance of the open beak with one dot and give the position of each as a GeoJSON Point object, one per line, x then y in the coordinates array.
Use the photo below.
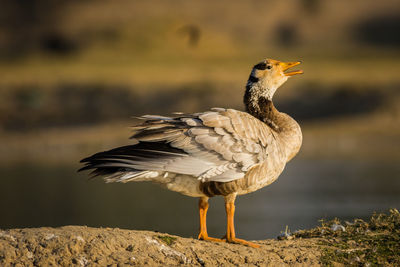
{"type": "Point", "coordinates": [287, 65]}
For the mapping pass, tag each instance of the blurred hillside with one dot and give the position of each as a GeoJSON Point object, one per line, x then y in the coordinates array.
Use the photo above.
{"type": "Point", "coordinates": [88, 64]}
{"type": "Point", "coordinates": [158, 43]}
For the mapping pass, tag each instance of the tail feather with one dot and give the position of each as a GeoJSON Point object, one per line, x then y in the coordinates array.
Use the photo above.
{"type": "Point", "coordinates": [124, 177]}
{"type": "Point", "coordinates": [135, 162]}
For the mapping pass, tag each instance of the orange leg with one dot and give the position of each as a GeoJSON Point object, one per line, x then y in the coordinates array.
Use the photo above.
{"type": "Point", "coordinates": [203, 207]}
{"type": "Point", "coordinates": [230, 231]}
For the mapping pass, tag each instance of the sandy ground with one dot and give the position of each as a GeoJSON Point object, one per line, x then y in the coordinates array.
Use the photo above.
{"type": "Point", "coordinates": [85, 246]}
{"type": "Point", "coordinates": [358, 243]}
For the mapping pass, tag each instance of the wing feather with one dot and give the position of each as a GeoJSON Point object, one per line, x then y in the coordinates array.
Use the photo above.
{"type": "Point", "coordinates": [218, 145]}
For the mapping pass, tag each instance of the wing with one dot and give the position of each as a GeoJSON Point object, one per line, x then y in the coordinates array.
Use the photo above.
{"type": "Point", "coordinates": [221, 145]}
{"type": "Point", "coordinates": [218, 145]}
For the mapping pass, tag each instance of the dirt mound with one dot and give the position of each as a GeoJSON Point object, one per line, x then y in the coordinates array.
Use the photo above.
{"type": "Point", "coordinates": [336, 243]}
{"type": "Point", "coordinates": [85, 246]}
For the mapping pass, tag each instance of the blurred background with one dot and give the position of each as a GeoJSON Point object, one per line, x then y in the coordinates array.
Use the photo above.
{"type": "Point", "coordinates": [73, 73]}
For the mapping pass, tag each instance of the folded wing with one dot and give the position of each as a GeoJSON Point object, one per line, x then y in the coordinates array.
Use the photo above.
{"type": "Point", "coordinates": [218, 145]}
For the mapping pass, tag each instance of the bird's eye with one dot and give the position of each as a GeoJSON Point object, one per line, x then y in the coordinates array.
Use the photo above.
{"type": "Point", "coordinates": [263, 66]}
{"type": "Point", "coordinates": [260, 66]}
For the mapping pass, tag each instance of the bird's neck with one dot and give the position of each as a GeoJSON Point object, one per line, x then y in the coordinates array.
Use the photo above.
{"type": "Point", "coordinates": [262, 107]}
{"type": "Point", "coordinates": [286, 127]}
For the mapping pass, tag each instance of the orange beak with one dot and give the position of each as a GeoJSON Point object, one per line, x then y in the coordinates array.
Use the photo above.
{"type": "Point", "coordinates": [287, 65]}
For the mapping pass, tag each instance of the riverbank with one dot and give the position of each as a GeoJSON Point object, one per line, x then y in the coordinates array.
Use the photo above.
{"type": "Point", "coordinates": [335, 243]}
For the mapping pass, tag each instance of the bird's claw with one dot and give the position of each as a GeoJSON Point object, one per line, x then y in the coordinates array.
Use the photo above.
{"type": "Point", "coordinates": [242, 242]}
{"type": "Point", "coordinates": [205, 237]}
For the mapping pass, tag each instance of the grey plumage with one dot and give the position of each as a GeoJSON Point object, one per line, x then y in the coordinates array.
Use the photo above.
{"type": "Point", "coordinates": [211, 146]}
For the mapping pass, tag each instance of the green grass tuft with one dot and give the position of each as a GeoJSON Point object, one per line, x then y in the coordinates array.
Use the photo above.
{"type": "Point", "coordinates": [169, 240]}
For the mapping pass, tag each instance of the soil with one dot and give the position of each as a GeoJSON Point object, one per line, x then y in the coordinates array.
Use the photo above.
{"type": "Point", "coordinates": [359, 243]}
{"type": "Point", "coordinates": [85, 246]}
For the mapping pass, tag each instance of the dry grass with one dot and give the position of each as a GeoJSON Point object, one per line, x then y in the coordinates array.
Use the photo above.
{"type": "Point", "coordinates": [375, 242]}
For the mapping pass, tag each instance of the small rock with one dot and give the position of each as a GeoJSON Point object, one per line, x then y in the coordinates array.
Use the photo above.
{"type": "Point", "coordinates": [337, 227]}
{"type": "Point", "coordinates": [79, 238]}
{"type": "Point", "coordinates": [29, 255]}
{"type": "Point", "coordinates": [50, 236]}
{"type": "Point", "coordinates": [285, 236]}
{"type": "Point", "coordinates": [6, 236]}
{"type": "Point", "coordinates": [200, 260]}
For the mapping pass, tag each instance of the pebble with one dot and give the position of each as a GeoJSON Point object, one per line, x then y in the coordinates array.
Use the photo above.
{"type": "Point", "coordinates": [337, 227]}
{"type": "Point", "coordinates": [285, 236]}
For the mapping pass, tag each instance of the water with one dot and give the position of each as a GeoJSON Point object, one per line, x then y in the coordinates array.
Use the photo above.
{"type": "Point", "coordinates": [35, 196]}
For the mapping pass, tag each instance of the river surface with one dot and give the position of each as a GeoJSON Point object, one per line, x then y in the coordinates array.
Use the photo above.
{"type": "Point", "coordinates": [308, 190]}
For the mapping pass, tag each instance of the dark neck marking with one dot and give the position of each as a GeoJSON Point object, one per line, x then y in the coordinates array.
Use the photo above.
{"type": "Point", "coordinates": [261, 108]}
{"type": "Point", "coordinates": [253, 79]}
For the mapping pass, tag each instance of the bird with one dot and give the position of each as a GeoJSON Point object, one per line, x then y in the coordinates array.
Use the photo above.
{"type": "Point", "coordinates": [219, 152]}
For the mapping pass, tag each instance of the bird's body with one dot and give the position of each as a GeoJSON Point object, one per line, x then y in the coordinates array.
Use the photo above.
{"type": "Point", "coordinates": [218, 152]}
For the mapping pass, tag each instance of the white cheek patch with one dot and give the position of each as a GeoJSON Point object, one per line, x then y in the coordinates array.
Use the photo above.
{"type": "Point", "coordinates": [271, 85]}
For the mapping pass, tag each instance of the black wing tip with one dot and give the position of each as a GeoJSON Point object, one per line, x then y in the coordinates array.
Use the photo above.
{"type": "Point", "coordinates": [144, 150]}
{"type": "Point", "coordinates": [84, 160]}
{"type": "Point", "coordinates": [84, 168]}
